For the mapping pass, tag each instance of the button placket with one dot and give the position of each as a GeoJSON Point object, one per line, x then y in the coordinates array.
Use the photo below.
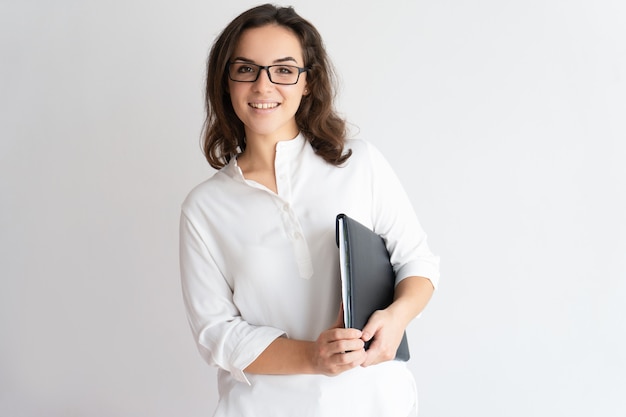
{"type": "Point", "coordinates": [291, 225]}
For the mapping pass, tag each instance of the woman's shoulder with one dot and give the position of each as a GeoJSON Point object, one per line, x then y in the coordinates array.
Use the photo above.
{"type": "Point", "coordinates": [211, 189]}
{"type": "Point", "coordinates": [362, 150]}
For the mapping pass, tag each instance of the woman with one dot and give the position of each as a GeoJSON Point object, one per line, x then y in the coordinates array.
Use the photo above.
{"type": "Point", "coordinates": [259, 262]}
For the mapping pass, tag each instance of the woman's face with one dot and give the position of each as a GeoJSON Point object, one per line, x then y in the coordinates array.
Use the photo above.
{"type": "Point", "coordinates": [268, 110]}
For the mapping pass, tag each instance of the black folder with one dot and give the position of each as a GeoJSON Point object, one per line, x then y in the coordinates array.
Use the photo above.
{"type": "Point", "coordinates": [367, 277]}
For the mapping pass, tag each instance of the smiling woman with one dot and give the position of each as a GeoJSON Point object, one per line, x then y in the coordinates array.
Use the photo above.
{"type": "Point", "coordinates": [266, 109]}
{"type": "Point", "coordinates": [259, 263]}
{"type": "Point", "coordinates": [224, 133]}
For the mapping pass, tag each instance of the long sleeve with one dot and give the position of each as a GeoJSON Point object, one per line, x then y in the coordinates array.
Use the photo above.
{"type": "Point", "coordinates": [223, 338]}
{"type": "Point", "coordinates": [395, 220]}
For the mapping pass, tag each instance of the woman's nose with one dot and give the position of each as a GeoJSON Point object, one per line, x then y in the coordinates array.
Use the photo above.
{"type": "Point", "coordinates": [263, 81]}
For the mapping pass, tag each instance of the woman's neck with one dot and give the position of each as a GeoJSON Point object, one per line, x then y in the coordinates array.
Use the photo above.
{"type": "Point", "coordinates": [258, 154]}
{"type": "Point", "coordinates": [257, 161]}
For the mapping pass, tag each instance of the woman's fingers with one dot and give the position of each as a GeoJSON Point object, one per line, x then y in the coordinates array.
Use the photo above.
{"type": "Point", "coordinates": [338, 350]}
{"type": "Point", "coordinates": [385, 336]}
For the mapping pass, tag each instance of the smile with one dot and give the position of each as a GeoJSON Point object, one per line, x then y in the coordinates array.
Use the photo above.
{"type": "Point", "coordinates": [264, 105]}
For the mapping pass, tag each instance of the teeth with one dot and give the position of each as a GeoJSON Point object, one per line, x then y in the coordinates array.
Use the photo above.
{"type": "Point", "coordinates": [264, 105]}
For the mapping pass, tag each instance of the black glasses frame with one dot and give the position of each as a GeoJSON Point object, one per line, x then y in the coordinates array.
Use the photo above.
{"type": "Point", "coordinates": [267, 70]}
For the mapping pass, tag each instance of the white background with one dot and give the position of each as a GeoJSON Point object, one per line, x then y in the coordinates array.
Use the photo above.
{"type": "Point", "coordinates": [505, 121]}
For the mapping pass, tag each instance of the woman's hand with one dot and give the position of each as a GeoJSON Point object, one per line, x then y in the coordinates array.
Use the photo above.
{"type": "Point", "coordinates": [386, 333]}
{"type": "Point", "coordinates": [385, 328]}
{"type": "Point", "coordinates": [337, 349]}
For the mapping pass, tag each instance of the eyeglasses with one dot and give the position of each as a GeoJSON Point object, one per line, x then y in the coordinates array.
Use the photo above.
{"type": "Point", "coordinates": [244, 72]}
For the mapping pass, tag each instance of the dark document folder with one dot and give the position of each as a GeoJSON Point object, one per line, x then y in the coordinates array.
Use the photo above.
{"type": "Point", "coordinates": [367, 277]}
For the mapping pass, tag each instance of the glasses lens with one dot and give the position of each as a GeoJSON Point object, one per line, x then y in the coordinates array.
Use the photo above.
{"type": "Point", "coordinates": [240, 71]}
{"type": "Point", "coordinates": [284, 74]}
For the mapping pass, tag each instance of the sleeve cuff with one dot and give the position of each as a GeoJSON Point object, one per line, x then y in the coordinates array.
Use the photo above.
{"type": "Point", "coordinates": [420, 268]}
{"type": "Point", "coordinates": [250, 348]}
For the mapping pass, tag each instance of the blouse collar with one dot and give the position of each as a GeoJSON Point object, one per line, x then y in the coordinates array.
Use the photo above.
{"type": "Point", "coordinates": [284, 149]}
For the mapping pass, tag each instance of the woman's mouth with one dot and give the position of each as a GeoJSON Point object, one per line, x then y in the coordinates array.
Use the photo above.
{"type": "Point", "coordinates": [263, 106]}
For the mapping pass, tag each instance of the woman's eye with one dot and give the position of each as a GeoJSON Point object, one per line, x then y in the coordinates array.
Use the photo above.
{"type": "Point", "coordinates": [283, 70]}
{"type": "Point", "coordinates": [245, 69]}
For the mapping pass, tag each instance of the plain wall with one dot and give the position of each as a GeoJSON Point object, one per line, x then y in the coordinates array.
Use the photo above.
{"type": "Point", "coordinates": [505, 121]}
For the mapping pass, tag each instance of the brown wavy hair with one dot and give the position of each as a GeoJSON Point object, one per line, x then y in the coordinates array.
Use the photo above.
{"type": "Point", "coordinates": [316, 118]}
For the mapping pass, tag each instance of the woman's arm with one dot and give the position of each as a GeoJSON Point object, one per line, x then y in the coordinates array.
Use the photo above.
{"type": "Point", "coordinates": [387, 326]}
{"type": "Point", "coordinates": [336, 350]}
{"type": "Point", "coordinates": [327, 355]}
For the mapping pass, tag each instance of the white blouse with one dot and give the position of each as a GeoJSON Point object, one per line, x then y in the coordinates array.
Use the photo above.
{"type": "Point", "coordinates": [257, 265]}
